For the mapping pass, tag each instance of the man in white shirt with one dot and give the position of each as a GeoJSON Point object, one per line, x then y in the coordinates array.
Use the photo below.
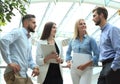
{"type": "Point", "coordinates": [16, 50]}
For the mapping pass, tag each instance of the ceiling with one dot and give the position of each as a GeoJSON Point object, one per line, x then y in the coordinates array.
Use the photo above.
{"type": "Point", "coordinates": [66, 12]}
{"type": "Point", "coordinates": [109, 3]}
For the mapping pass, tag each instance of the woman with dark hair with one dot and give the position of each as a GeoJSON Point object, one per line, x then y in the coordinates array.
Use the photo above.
{"type": "Point", "coordinates": [51, 73]}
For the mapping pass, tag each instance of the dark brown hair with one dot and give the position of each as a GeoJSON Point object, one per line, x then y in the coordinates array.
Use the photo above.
{"type": "Point", "coordinates": [47, 30]}
{"type": "Point", "coordinates": [27, 17]}
{"type": "Point", "coordinates": [100, 10]}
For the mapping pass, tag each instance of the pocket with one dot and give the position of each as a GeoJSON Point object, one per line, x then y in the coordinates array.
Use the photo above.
{"type": "Point", "coordinates": [9, 77]}
{"type": "Point", "coordinates": [21, 80]}
{"type": "Point", "coordinates": [108, 69]}
{"type": "Point", "coordinates": [29, 81]}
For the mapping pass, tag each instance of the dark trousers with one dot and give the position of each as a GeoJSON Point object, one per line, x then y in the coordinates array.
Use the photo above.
{"type": "Point", "coordinates": [108, 76]}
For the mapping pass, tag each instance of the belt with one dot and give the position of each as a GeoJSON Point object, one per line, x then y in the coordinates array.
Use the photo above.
{"type": "Point", "coordinates": [107, 61]}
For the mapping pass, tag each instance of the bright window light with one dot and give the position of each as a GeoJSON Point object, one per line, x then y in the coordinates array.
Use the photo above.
{"type": "Point", "coordinates": [116, 0]}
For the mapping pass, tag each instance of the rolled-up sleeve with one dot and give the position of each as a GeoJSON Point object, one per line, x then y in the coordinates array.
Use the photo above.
{"type": "Point", "coordinates": [68, 52]}
{"type": "Point", "coordinates": [39, 56]}
{"type": "Point", "coordinates": [95, 52]}
{"type": "Point", "coordinates": [5, 41]}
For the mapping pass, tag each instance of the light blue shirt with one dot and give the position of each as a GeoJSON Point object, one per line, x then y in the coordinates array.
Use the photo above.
{"type": "Point", "coordinates": [87, 46]}
{"type": "Point", "coordinates": [110, 45]}
{"type": "Point", "coordinates": [16, 48]}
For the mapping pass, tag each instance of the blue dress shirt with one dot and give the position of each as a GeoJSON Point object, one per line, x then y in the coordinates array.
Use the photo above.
{"type": "Point", "coordinates": [16, 48]}
{"type": "Point", "coordinates": [86, 46]}
{"type": "Point", "coordinates": [110, 45]}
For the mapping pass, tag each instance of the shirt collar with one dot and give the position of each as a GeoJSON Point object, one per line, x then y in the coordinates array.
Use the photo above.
{"type": "Point", "coordinates": [83, 36]}
{"type": "Point", "coordinates": [104, 26]}
{"type": "Point", "coordinates": [26, 32]}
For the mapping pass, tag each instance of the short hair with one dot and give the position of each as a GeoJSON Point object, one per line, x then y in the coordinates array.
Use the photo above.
{"type": "Point", "coordinates": [100, 10]}
{"type": "Point", "coordinates": [27, 17]}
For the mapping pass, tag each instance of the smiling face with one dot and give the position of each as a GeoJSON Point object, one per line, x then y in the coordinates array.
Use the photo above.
{"type": "Point", "coordinates": [81, 26]}
{"type": "Point", "coordinates": [53, 30]}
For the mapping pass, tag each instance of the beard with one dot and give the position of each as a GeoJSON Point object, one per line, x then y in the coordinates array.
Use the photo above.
{"type": "Point", "coordinates": [30, 29]}
{"type": "Point", "coordinates": [98, 22]}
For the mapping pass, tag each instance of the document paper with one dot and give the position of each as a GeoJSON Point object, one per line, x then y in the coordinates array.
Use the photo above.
{"type": "Point", "coordinates": [47, 49]}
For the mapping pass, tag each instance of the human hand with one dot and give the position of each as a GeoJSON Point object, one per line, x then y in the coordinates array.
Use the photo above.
{"type": "Point", "coordinates": [81, 67]}
{"type": "Point", "coordinates": [35, 72]}
{"type": "Point", "coordinates": [52, 55]}
{"type": "Point", "coordinates": [15, 67]}
{"type": "Point", "coordinates": [69, 64]}
{"type": "Point", "coordinates": [59, 60]}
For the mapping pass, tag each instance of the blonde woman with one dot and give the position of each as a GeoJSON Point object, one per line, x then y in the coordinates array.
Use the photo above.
{"type": "Point", "coordinates": [82, 59]}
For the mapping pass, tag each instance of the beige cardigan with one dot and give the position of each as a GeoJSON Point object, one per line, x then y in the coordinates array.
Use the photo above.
{"type": "Point", "coordinates": [40, 59]}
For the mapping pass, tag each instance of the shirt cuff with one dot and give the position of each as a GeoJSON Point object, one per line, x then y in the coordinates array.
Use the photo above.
{"type": "Point", "coordinates": [114, 67]}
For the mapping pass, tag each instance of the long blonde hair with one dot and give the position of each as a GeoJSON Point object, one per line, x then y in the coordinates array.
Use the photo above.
{"type": "Point", "coordinates": [76, 32]}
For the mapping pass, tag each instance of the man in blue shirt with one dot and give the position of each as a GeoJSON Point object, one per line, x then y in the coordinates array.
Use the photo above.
{"type": "Point", "coordinates": [16, 50]}
{"type": "Point", "coordinates": [109, 48]}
